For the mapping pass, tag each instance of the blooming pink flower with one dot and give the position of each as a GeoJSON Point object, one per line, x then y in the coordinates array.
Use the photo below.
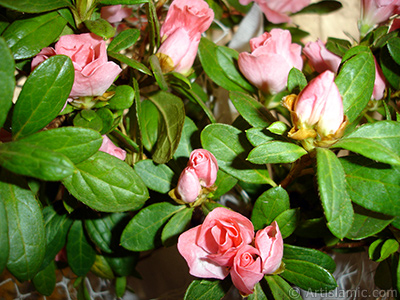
{"type": "Point", "coordinates": [205, 165]}
{"type": "Point", "coordinates": [247, 269]}
{"type": "Point", "coordinates": [277, 11]}
{"type": "Point", "coordinates": [273, 56]}
{"type": "Point", "coordinates": [209, 249]}
{"type": "Point", "coordinates": [270, 244]}
{"type": "Point", "coordinates": [320, 58]}
{"type": "Point", "coordinates": [109, 147]}
{"type": "Point", "coordinates": [376, 11]}
{"type": "Point", "coordinates": [115, 13]}
{"type": "Point", "coordinates": [188, 186]}
{"type": "Point", "coordinates": [181, 32]}
{"type": "Point", "coordinates": [93, 72]}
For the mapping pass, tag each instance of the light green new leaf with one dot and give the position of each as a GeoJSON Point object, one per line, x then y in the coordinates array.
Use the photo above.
{"type": "Point", "coordinates": [7, 79]}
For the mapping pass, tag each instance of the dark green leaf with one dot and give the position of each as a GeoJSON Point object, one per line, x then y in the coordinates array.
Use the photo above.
{"type": "Point", "coordinates": [4, 244]}
{"type": "Point", "coordinates": [25, 227]}
{"type": "Point", "coordinates": [206, 290]}
{"type": "Point", "coordinates": [390, 69]}
{"type": "Point", "coordinates": [296, 81]}
{"type": "Point", "coordinates": [124, 39]}
{"type": "Point", "coordinates": [156, 177]}
{"type": "Point", "coordinates": [372, 185]}
{"type": "Point", "coordinates": [101, 28]}
{"type": "Point", "coordinates": [130, 62]}
{"type": "Point", "coordinates": [322, 7]}
{"type": "Point", "coordinates": [107, 120]}
{"type": "Point", "coordinates": [125, 264]}
{"type": "Point", "coordinates": [149, 119]}
{"type": "Point", "coordinates": [394, 47]}
{"type": "Point", "coordinates": [258, 293]}
{"type": "Point", "coordinates": [332, 189]}
{"type": "Point", "coordinates": [7, 79]}
{"type": "Point", "coordinates": [268, 206]}
{"type": "Point", "coordinates": [158, 73]}
{"type": "Point", "coordinates": [337, 46]}
{"type": "Point", "coordinates": [280, 289]}
{"type": "Point", "coordinates": [185, 146]}
{"type": "Point", "coordinates": [28, 36]}
{"type": "Point", "coordinates": [230, 147]}
{"type": "Point", "coordinates": [142, 232]}
{"type": "Point", "coordinates": [175, 226]}
{"type": "Point", "coordinates": [33, 6]}
{"type": "Point", "coordinates": [308, 276]}
{"type": "Point", "coordinates": [288, 221]}
{"type": "Point", "coordinates": [172, 118]}
{"type": "Point", "coordinates": [276, 152]}
{"type": "Point", "coordinates": [43, 95]}
{"type": "Point", "coordinates": [258, 136]}
{"type": "Point", "coordinates": [45, 280]}
{"type": "Point", "coordinates": [123, 98]}
{"type": "Point", "coordinates": [224, 184]}
{"type": "Point", "coordinates": [153, 25]}
{"type": "Point", "coordinates": [88, 119]}
{"type": "Point", "coordinates": [105, 183]}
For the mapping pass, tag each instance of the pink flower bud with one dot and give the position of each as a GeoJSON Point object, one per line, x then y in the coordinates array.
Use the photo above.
{"type": "Point", "coordinates": [188, 187]}
{"type": "Point", "coordinates": [108, 147]}
{"type": "Point", "coordinates": [247, 269]}
{"type": "Point", "coordinates": [320, 58]}
{"type": "Point", "coordinates": [270, 244]}
{"type": "Point", "coordinates": [273, 56]}
{"type": "Point", "coordinates": [205, 165]}
{"type": "Point", "coordinates": [379, 84]}
{"type": "Point", "coordinates": [320, 106]}
{"type": "Point", "coordinates": [376, 11]}
{"type": "Point", "coordinates": [115, 13]}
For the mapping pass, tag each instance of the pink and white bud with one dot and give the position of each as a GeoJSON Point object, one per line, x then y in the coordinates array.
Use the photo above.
{"type": "Point", "coordinates": [205, 165]}
{"type": "Point", "coordinates": [270, 244]}
{"type": "Point", "coordinates": [109, 147]}
{"type": "Point", "coordinates": [188, 187]}
{"type": "Point", "coordinates": [320, 58]}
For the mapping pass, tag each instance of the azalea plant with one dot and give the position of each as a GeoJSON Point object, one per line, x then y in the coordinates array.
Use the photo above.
{"type": "Point", "coordinates": [111, 143]}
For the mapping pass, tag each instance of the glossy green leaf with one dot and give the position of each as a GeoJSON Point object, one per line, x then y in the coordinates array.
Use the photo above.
{"type": "Point", "coordinates": [7, 69]}
{"type": "Point", "coordinates": [80, 253]}
{"type": "Point", "coordinates": [332, 189]}
{"type": "Point", "coordinates": [142, 232]}
{"type": "Point", "coordinates": [172, 118]}
{"type": "Point", "coordinates": [43, 95]}
{"type": "Point", "coordinates": [175, 226]}
{"type": "Point", "coordinates": [308, 276]}
{"type": "Point", "coordinates": [373, 185]}
{"type": "Point", "coordinates": [105, 183]}
{"type": "Point", "coordinates": [4, 244]}
{"type": "Point", "coordinates": [230, 147]}
{"type": "Point", "coordinates": [124, 39]}
{"type": "Point", "coordinates": [393, 46]}
{"type": "Point", "coordinates": [158, 73]}
{"type": "Point", "coordinates": [280, 289]}
{"type": "Point", "coordinates": [251, 110]}
{"type": "Point", "coordinates": [206, 290]}
{"type": "Point", "coordinates": [189, 134]}
{"type": "Point", "coordinates": [130, 62]}
{"type": "Point", "coordinates": [33, 6]}
{"type": "Point", "coordinates": [310, 255]}
{"type": "Point", "coordinates": [288, 221]}
{"type": "Point", "coordinates": [390, 69]}
{"type": "Point", "coordinates": [367, 223]}
{"type": "Point", "coordinates": [296, 81]}
{"type": "Point", "coordinates": [101, 28]}
{"type": "Point", "coordinates": [45, 280]}
{"type": "Point", "coordinates": [356, 82]}
{"type": "Point", "coordinates": [321, 7]}
{"type": "Point", "coordinates": [88, 119]}
{"type": "Point", "coordinates": [26, 37]}
{"type": "Point", "coordinates": [156, 177]}
{"type": "Point", "coordinates": [107, 120]}
{"type": "Point", "coordinates": [276, 152]}
{"type": "Point", "coordinates": [379, 141]}
{"type": "Point", "coordinates": [258, 136]}
{"type": "Point", "coordinates": [25, 227]}
{"type": "Point", "coordinates": [123, 98]}
{"type": "Point", "coordinates": [224, 184]}
{"type": "Point", "coordinates": [268, 206]}
{"type": "Point", "coordinates": [149, 119]}
{"type": "Point", "coordinates": [76, 143]}
{"type": "Point", "coordinates": [35, 161]}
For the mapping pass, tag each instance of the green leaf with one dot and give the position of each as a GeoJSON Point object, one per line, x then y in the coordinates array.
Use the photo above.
{"type": "Point", "coordinates": [142, 232]}
{"type": "Point", "coordinates": [123, 265]}
{"type": "Point", "coordinates": [4, 248]}
{"type": "Point", "coordinates": [130, 62]}
{"type": "Point", "coordinates": [105, 230]}
{"type": "Point", "coordinates": [33, 6]}
{"type": "Point", "coordinates": [393, 46]}
{"type": "Point", "coordinates": [158, 73]}
{"type": "Point", "coordinates": [149, 119]}
{"type": "Point", "coordinates": [101, 28]}
{"type": "Point", "coordinates": [389, 247]}
{"type": "Point", "coordinates": [26, 37]}
{"type": "Point", "coordinates": [80, 253]}
{"type": "Point", "coordinates": [175, 226]}
{"type": "Point", "coordinates": [101, 268]}
{"type": "Point", "coordinates": [25, 227]}
{"type": "Point", "coordinates": [126, 2]}
{"type": "Point", "coordinates": [367, 223]}
{"type": "Point", "coordinates": [107, 120]}
{"type": "Point", "coordinates": [31, 160]}
{"type": "Point", "coordinates": [224, 184]}
{"type": "Point", "coordinates": [332, 189]}
{"type": "Point", "coordinates": [280, 289]}
{"type": "Point", "coordinates": [123, 98]}
{"type": "Point", "coordinates": [105, 183]}
{"type": "Point", "coordinates": [255, 113]}
{"type": "Point", "coordinates": [379, 141]}
{"type": "Point", "coordinates": [308, 276]}
{"type": "Point", "coordinates": [156, 177]}
{"type": "Point", "coordinates": [88, 119]}
{"type": "Point", "coordinates": [7, 79]}
{"type": "Point", "coordinates": [322, 7]}
{"type": "Point", "coordinates": [276, 152]}
{"type": "Point", "coordinates": [310, 255]}
{"type": "Point", "coordinates": [206, 290]}
{"type": "Point", "coordinates": [120, 286]}
{"type": "Point", "coordinates": [372, 185]}
{"type": "Point", "coordinates": [268, 206]}
{"type": "Point", "coordinates": [76, 143]}
{"type": "Point", "coordinates": [258, 136]}
{"type": "Point", "coordinates": [390, 69]}
{"type": "Point", "coordinates": [189, 133]}
{"type": "Point", "coordinates": [43, 95]}
{"type": "Point", "coordinates": [258, 293]}
{"type": "Point", "coordinates": [337, 46]}
{"type": "Point", "coordinates": [209, 60]}
{"type": "Point", "coordinates": [288, 221]}
{"type": "Point", "coordinates": [172, 118]}
{"type": "Point", "coordinates": [296, 81]}
{"type": "Point", "coordinates": [230, 147]}
{"type": "Point", "coordinates": [124, 39]}
{"type": "Point", "coordinates": [45, 280]}
{"type": "Point", "coordinates": [356, 82]}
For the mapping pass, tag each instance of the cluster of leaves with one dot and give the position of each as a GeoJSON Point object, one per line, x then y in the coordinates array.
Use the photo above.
{"type": "Point", "coordinates": [58, 191]}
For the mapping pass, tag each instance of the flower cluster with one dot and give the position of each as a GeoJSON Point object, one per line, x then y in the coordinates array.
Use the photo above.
{"type": "Point", "coordinates": [226, 244]}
